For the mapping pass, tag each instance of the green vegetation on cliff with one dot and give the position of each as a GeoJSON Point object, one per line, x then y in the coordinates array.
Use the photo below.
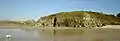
{"type": "Point", "coordinates": [80, 19]}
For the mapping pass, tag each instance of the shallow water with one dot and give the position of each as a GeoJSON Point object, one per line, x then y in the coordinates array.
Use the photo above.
{"type": "Point", "coordinates": [99, 34]}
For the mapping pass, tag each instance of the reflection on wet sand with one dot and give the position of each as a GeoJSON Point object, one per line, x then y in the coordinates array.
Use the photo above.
{"type": "Point", "coordinates": [84, 34]}
{"type": "Point", "coordinates": [7, 39]}
{"type": "Point", "coordinates": [99, 34]}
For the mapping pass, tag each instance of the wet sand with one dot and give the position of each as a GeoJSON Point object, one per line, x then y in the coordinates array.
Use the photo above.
{"type": "Point", "coordinates": [62, 34]}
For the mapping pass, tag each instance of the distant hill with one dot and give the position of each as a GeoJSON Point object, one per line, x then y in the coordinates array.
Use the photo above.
{"type": "Point", "coordinates": [17, 23]}
{"type": "Point", "coordinates": [10, 23]}
{"type": "Point", "coordinates": [79, 19]}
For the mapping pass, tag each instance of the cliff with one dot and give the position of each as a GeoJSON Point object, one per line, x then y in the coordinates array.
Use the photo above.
{"type": "Point", "coordinates": [86, 19]}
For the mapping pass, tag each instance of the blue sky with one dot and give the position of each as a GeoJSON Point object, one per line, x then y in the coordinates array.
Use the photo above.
{"type": "Point", "coordinates": [34, 9]}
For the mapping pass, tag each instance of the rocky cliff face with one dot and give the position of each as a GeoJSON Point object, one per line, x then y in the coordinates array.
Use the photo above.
{"type": "Point", "coordinates": [75, 19]}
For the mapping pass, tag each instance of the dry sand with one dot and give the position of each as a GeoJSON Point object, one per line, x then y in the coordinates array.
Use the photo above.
{"type": "Point", "coordinates": [112, 26]}
{"type": "Point", "coordinates": [108, 26]}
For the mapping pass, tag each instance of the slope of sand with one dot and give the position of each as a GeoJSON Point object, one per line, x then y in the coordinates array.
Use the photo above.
{"type": "Point", "coordinates": [108, 26]}
{"type": "Point", "coordinates": [111, 26]}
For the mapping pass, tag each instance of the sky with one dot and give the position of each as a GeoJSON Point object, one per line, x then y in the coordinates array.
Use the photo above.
{"type": "Point", "coordinates": [34, 9]}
